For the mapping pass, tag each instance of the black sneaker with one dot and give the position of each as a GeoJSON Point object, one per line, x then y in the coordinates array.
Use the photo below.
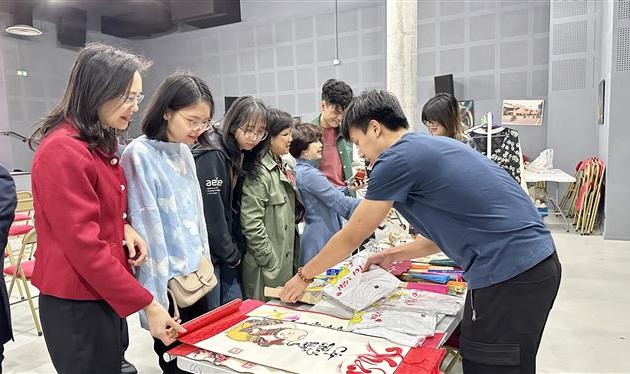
{"type": "Point", "coordinates": [127, 367]}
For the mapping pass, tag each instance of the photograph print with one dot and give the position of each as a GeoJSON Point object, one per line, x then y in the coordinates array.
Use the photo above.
{"type": "Point", "coordinates": [522, 112]}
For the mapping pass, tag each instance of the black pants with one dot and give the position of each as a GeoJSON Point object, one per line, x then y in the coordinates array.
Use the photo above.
{"type": "Point", "coordinates": [81, 336]}
{"type": "Point", "coordinates": [186, 314]}
{"type": "Point", "coordinates": [503, 323]}
{"type": "Point", "coordinates": [124, 337]}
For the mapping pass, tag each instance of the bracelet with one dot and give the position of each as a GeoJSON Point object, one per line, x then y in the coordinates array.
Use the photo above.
{"type": "Point", "coordinates": [302, 277]}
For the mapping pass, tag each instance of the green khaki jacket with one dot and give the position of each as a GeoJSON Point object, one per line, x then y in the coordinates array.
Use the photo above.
{"type": "Point", "coordinates": [345, 151]}
{"type": "Point", "coordinates": [268, 223]}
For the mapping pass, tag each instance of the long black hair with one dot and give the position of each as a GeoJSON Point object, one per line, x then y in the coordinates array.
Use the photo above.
{"type": "Point", "coordinates": [178, 91]}
{"type": "Point", "coordinates": [245, 111]}
{"type": "Point", "coordinates": [100, 73]}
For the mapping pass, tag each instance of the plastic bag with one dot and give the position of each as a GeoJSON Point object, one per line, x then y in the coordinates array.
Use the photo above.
{"type": "Point", "coordinates": [421, 301]}
{"type": "Point", "coordinates": [358, 290]}
{"type": "Point", "coordinates": [413, 323]}
{"type": "Point", "coordinates": [544, 161]}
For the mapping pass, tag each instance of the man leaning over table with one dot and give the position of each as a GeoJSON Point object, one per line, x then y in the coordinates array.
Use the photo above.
{"type": "Point", "coordinates": [508, 254]}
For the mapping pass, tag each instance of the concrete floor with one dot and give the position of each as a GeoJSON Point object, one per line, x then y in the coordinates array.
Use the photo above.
{"type": "Point", "coordinates": [588, 330]}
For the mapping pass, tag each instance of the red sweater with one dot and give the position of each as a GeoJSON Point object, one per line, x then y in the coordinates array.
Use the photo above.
{"type": "Point", "coordinates": [80, 200]}
{"type": "Point", "coordinates": [330, 163]}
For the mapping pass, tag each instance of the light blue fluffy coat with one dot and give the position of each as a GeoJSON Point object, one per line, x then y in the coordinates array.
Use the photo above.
{"type": "Point", "coordinates": [165, 208]}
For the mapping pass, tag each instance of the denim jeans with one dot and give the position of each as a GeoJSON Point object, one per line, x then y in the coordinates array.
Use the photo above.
{"type": "Point", "coordinates": [229, 285]}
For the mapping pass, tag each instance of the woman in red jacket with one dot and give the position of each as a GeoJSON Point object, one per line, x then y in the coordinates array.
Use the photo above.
{"type": "Point", "coordinates": [83, 269]}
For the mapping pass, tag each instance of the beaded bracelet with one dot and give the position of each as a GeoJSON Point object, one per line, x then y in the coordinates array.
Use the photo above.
{"type": "Point", "coordinates": [302, 277]}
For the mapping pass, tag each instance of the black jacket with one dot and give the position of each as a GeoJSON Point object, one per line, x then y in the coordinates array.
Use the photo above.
{"type": "Point", "coordinates": [8, 201]}
{"type": "Point", "coordinates": [221, 202]}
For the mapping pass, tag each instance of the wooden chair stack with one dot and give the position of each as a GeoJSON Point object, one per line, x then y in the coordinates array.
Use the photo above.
{"type": "Point", "coordinates": [583, 197]}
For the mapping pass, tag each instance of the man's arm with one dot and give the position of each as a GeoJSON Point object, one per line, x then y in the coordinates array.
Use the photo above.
{"type": "Point", "coordinates": [365, 219]}
{"type": "Point", "coordinates": [418, 248]}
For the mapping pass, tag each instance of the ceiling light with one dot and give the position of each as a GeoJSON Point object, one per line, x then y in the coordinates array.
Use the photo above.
{"type": "Point", "coordinates": [24, 30]}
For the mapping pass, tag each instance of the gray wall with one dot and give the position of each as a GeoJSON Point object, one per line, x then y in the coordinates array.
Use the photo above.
{"type": "Point", "coordinates": [573, 129]}
{"type": "Point", "coordinates": [282, 60]}
{"type": "Point", "coordinates": [495, 50]}
{"type": "Point", "coordinates": [603, 64]}
{"type": "Point", "coordinates": [29, 98]}
{"type": "Point", "coordinates": [281, 53]}
{"type": "Point", "coordinates": [617, 206]}
{"type": "Point", "coordinates": [6, 156]}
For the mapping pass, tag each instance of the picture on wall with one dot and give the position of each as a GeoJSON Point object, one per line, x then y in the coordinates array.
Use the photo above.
{"type": "Point", "coordinates": [467, 113]}
{"type": "Point", "coordinates": [522, 112]}
{"type": "Point", "coordinates": [601, 92]}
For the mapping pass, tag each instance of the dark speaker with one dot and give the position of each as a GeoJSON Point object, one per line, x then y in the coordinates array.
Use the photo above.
{"type": "Point", "coordinates": [229, 100]}
{"type": "Point", "coordinates": [71, 27]}
{"type": "Point", "coordinates": [22, 12]}
{"type": "Point", "coordinates": [444, 83]}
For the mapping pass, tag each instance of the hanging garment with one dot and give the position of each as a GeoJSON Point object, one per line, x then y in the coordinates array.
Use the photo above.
{"type": "Point", "coordinates": [506, 150]}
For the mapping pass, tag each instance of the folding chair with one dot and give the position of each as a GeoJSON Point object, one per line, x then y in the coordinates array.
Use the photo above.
{"type": "Point", "coordinates": [595, 197]}
{"type": "Point", "coordinates": [582, 199]}
{"type": "Point", "coordinates": [21, 217]}
{"type": "Point", "coordinates": [568, 199]}
{"type": "Point", "coordinates": [580, 179]}
{"type": "Point", "coordinates": [22, 271]}
{"type": "Point", "coordinates": [452, 350]}
{"type": "Point", "coordinates": [24, 206]}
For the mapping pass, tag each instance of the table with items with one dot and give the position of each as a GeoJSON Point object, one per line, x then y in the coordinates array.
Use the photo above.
{"type": "Point", "coordinates": [556, 176]}
{"type": "Point", "coordinates": [360, 321]}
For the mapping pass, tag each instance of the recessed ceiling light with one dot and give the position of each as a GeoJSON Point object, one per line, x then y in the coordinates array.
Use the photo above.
{"type": "Point", "coordinates": [24, 30]}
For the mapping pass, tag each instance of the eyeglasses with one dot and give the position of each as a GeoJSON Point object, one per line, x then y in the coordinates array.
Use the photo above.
{"type": "Point", "coordinates": [431, 124]}
{"type": "Point", "coordinates": [196, 125]}
{"type": "Point", "coordinates": [129, 99]}
{"type": "Point", "coordinates": [254, 136]}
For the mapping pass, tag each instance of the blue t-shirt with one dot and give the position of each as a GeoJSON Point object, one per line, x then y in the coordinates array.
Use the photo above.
{"type": "Point", "coordinates": [465, 203]}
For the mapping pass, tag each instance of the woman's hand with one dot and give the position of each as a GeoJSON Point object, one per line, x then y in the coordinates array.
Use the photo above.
{"type": "Point", "coordinates": [161, 325]}
{"type": "Point", "coordinates": [136, 246]}
{"type": "Point", "coordinates": [358, 184]}
{"type": "Point", "coordinates": [293, 290]}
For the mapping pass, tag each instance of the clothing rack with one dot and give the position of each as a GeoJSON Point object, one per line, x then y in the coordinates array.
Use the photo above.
{"type": "Point", "coordinates": [489, 137]}
{"type": "Point", "coordinates": [499, 133]}
{"type": "Point", "coordinates": [488, 134]}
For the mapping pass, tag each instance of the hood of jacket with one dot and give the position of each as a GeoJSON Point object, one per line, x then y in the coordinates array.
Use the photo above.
{"type": "Point", "coordinates": [215, 139]}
